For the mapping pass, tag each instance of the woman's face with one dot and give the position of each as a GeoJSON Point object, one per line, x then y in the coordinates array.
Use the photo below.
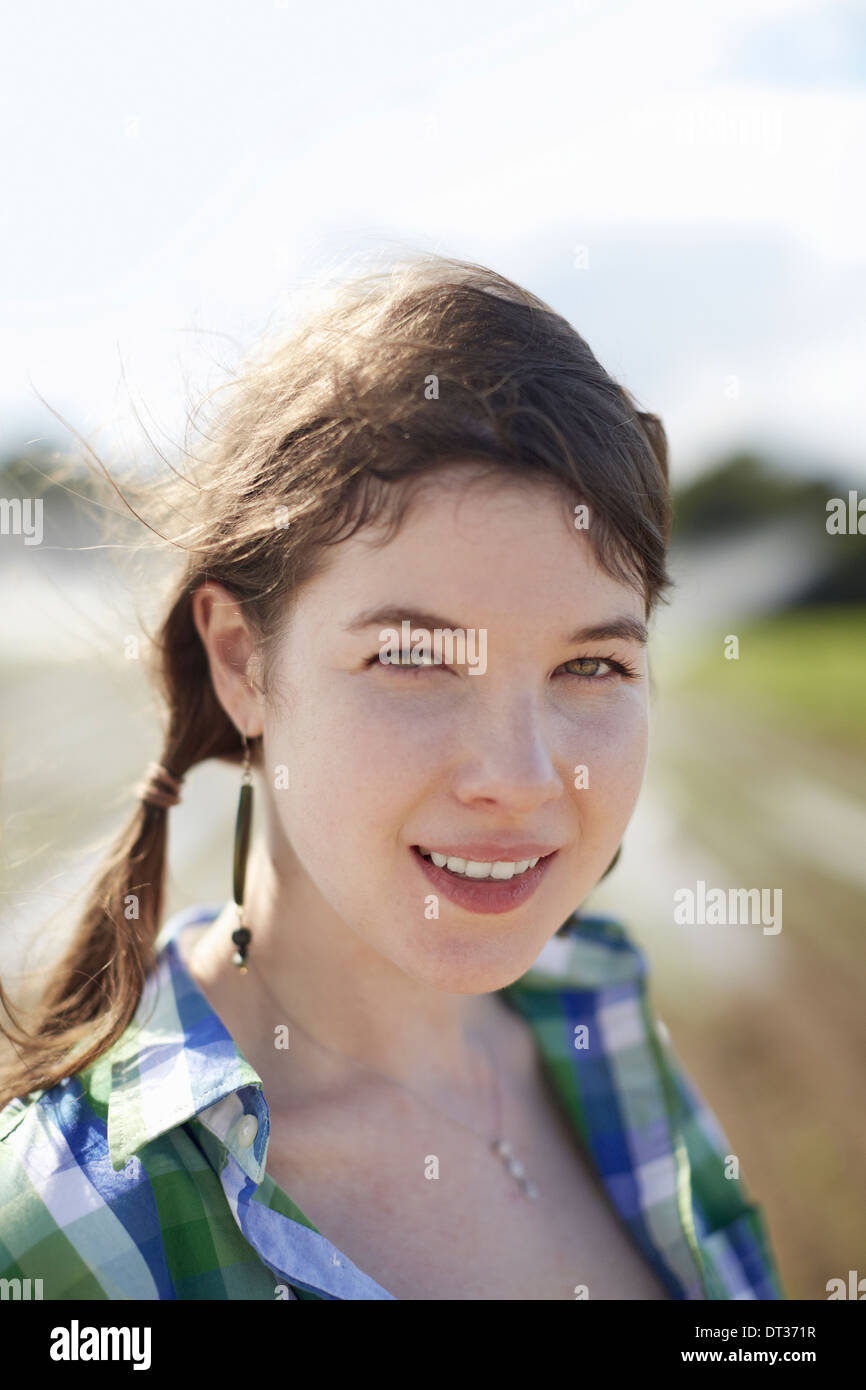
{"type": "Point", "coordinates": [382, 759]}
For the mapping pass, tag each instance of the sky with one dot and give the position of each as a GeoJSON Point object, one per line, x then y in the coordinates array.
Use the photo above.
{"type": "Point", "coordinates": [682, 181]}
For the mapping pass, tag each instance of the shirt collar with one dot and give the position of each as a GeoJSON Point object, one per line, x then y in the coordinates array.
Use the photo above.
{"type": "Point", "coordinates": [592, 953]}
{"type": "Point", "coordinates": [177, 1060]}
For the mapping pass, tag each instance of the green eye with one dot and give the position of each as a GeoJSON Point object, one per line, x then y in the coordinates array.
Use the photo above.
{"type": "Point", "coordinates": [617, 668]}
{"type": "Point", "coordinates": [587, 661]}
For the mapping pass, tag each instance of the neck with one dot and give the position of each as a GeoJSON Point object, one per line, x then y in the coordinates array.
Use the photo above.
{"type": "Point", "coordinates": [339, 998]}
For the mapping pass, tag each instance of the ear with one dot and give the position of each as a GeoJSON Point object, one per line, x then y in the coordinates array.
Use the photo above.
{"type": "Point", "coordinates": [231, 652]}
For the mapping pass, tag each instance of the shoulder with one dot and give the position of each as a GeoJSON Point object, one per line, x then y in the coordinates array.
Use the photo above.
{"type": "Point", "coordinates": [649, 1128]}
{"type": "Point", "coordinates": [66, 1217]}
{"type": "Point", "coordinates": [155, 1225]}
{"type": "Point", "coordinates": [730, 1225]}
{"type": "Point", "coordinates": [106, 1188]}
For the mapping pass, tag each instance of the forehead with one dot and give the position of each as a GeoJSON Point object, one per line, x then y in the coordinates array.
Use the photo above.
{"type": "Point", "coordinates": [488, 545]}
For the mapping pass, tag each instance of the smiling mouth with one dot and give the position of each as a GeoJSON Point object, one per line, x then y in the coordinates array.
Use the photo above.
{"type": "Point", "coordinates": [496, 871]}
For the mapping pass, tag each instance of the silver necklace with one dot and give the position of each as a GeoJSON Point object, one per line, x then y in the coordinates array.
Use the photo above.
{"type": "Point", "coordinates": [501, 1147]}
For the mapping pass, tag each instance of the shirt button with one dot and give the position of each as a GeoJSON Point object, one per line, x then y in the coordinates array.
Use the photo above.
{"type": "Point", "coordinates": [247, 1130]}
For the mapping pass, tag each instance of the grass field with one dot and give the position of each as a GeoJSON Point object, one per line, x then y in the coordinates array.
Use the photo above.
{"type": "Point", "coordinates": [805, 668]}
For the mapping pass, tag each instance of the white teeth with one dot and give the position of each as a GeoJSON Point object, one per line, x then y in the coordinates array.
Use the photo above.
{"type": "Point", "coordinates": [471, 868]}
{"type": "Point", "coordinates": [476, 870]}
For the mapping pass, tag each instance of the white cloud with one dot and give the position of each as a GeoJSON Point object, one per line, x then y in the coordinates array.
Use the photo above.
{"type": "Point", "coordinates": [478, 132]}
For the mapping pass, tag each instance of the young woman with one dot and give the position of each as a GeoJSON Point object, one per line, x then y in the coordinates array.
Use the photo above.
{"type": "Point", "coordinates": [399, 1063]}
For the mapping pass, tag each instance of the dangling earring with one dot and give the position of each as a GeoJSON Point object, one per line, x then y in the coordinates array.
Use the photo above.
{"type": "Point", "coordinates": [242, 935]}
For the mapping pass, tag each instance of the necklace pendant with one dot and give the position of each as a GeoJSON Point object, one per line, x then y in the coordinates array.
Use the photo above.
{"type": "Point", "coordinates": [505, 1151]}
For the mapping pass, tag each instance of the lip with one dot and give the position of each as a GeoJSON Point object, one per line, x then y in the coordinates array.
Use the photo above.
{"type": "Point", "coordinates": [485, 895]}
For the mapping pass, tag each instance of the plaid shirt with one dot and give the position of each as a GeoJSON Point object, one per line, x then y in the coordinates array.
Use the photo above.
{"type": "Point", "coordinates": [144, 1176]}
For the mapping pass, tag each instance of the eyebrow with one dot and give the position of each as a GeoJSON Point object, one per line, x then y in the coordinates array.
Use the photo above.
{"type": "Point", "coordinates": [622, 627]}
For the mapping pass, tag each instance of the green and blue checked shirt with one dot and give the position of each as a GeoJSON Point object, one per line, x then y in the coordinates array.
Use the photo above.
{"type": "Point", "coordinates": [144, 1176]}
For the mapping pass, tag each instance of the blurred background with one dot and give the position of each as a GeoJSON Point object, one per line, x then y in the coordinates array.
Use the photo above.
{"type": "Point", "coordinates": [681, 183]}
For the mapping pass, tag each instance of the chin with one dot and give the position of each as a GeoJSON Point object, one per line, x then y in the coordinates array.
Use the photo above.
{"type": "Point", "coordinates": [466, 960]}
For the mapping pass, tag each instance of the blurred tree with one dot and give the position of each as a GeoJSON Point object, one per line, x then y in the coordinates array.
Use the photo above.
{"type": "Point", "coordinates": [742, 491]}
{"type": "Point", "coordinates": [75, 500]}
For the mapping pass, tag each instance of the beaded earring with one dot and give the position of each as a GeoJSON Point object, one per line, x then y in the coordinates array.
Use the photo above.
{"type": "Point", "coordinates": [242, 934]}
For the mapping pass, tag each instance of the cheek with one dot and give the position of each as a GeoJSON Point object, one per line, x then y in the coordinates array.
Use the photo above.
{"type": "Point", "coordinates": [359, 756]}
{"type": "Point", "coordinates": [613, 748]}
{"type": "Point", "coordinates": [349, 763]}
{"type": "Point", "coordinates": [366, 745]}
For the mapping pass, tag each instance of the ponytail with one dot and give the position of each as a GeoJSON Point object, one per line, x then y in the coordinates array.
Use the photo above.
{"type": "Point", "coordinates": [97, 985]}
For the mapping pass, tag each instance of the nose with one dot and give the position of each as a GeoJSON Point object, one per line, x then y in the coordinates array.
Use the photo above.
{"type": "Point", "coordinates": [506, 760]}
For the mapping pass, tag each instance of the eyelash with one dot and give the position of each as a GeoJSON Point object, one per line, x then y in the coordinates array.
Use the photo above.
{"type": "Point", "coordinates": [622, 668]}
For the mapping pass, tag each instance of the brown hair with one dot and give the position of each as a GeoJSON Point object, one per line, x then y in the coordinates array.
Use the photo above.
{"type": "Point", "coordinates": [330, 428]}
